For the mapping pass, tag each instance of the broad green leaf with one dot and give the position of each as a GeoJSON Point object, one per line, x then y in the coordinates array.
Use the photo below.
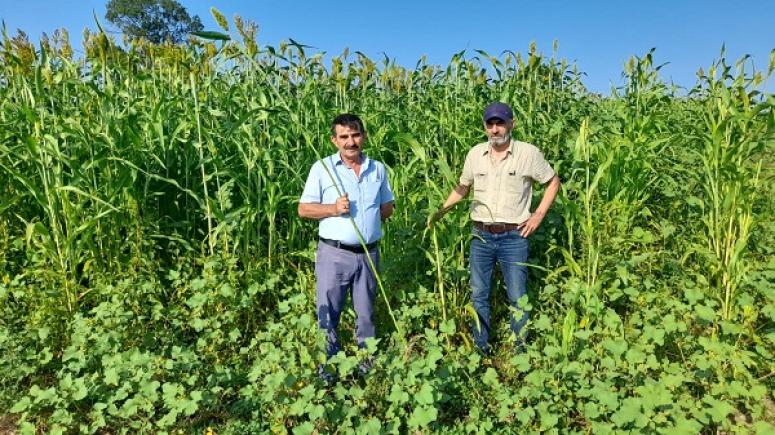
{"type": "Point", "coordinates": [425, 395]}
{"type": "Point", "coordinates": [110, 376]}
{"type": "Point", "coordinates": [422, 416]}
{"type": "Point", "coordinates": [705, 312]}
{"type": "Point", "coordinates": [20, 406]}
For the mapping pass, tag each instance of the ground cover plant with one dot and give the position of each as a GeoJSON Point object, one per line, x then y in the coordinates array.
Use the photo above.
{"type": "Point", "coordinates": [155, 277]}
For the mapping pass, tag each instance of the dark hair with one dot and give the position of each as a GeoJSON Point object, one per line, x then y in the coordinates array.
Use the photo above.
{"type": "Point", "coordinates": [347, 120]}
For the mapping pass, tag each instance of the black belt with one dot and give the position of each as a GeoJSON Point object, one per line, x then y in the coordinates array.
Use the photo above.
{"type": "Point", "coordinates": [495, 227]}
{"type": "Point", "coordinates": [358, 249]}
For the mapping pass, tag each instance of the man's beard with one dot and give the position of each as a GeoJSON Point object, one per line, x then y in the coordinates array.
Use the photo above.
{"type": "Point", "coordinates": [499, 141]}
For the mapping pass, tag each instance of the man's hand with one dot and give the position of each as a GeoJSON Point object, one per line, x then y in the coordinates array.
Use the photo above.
{"type": "Point", "coordinates": [458, 193]}
{"type": "Point", "coordinates": [342, 205]}
{"type": "Point", "coordinates": [531, 224]}
{"type": "Point", "coordinates": [534, 221]}
{"type": "Point", "coordinates": [438, 214]}
{"type": "Point", "coordinates": [386, 210]}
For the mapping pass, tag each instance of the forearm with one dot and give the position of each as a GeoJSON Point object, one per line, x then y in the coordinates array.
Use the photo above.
{"type": "Point", "coordinates": [317, 211]}
{"type": "Point", "coordinates": [457, 195]}
{"type": "Point", "coordinates": [553, 186]}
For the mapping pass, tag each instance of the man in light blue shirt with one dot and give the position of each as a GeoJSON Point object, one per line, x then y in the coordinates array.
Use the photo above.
{"type": "Point", "coordinates": [349, 194]}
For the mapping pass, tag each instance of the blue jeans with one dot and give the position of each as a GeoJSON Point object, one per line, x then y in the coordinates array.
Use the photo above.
{"type": "Point", "coordinates": [507, 249]}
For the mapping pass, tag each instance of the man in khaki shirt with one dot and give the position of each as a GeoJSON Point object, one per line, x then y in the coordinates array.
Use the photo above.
{"type": "Point", "coordinates": [502, 172]}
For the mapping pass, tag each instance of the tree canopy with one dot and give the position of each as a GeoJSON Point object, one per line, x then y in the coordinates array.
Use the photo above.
{"type": "Point", "coordinates": [154, 20]}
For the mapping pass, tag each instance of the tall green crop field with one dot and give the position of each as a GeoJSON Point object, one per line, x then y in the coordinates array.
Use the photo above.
{"type": "Point", "coordinates": [155, 276]}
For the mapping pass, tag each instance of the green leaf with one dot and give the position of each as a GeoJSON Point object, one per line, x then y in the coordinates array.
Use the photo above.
{"type": "Point", "coordinates": [521, 362]}
{"type": "Point", "coordinates": [447, 327]}
{"type": "Point", "coordinates": [397, 395]}
{"type": "Point", "coordinates": [198, 324]}
{"type": "Point", "coordinates": [425, 395]}
{"type": "Point", "coordinates": [197, 300]}
{"type": "Point", "coordinates": [693, 295]}
{"type": "Point", "coordinates": [111, 376]}
{"type": "Point", "coordinates": [686, 425]}
{"type": "Point", "coordinates": [549, 419]}
{"type": "Point", "coordinates": [80, 389]}
{"type": "Point", "coordinates": [718, 409]}
{"type": "Point", "coordinates": [635, 356]}
{"type": "Point", "coordinates": [641, 235]}
{"type": "Point", "coordinates": [763, 427]}
{"type": "Point", "coordinates": [188, 407]}
{"type": "Point", "coordinates": [305, 428]}
{"type": "Point", "coordinates": [669, 323]}
{"type": "Point", "coordinates": [705, 312]}
{"type": "Point", "coordinates": [628, 413]}
{"type": "Point", "coordinates": [524, 415]}
{"type": "Point", "coordinates": [490, 377]}
{"type": "Point", "coordinates": [543, 323]}
{"type": "Point", "coordinates": [27, 428]}
{"type": "Point", "coordinates": [22, 405]}
{"type": "Point", "coordinates": [212, 35]}
{"type": "Point", "coordinates": [591, 411]}
{"type": "Point", "coordinates": [372, 426]}
{"type": "Point", "coordinates": [422, 416]}
{"type": "Point", "coordinates": [616, 347]}
{"type": "Point", "coordinates": [609, 399]}
{"type": "Point", "coordinates": [226, 290]}
{"type": "Point", "coordinates": [44, 396]}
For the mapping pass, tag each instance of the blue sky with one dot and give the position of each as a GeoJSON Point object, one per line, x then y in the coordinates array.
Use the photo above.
{"type": "Point", "coordinates": [599, 35]}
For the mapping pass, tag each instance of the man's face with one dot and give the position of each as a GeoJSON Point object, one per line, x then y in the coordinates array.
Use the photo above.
{"type": "Point", "coordinates": [348, 141]}
{"type": "Point", "coordinates": [498, 131]}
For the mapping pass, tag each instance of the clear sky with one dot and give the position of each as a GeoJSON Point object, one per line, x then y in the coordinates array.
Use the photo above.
{"type": "Point", "coordinates": [599, 35]}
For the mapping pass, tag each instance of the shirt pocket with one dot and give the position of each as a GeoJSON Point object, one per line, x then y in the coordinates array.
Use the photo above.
{"type": "Point", "coordinates": [481, 184]}
{"type": "Point", "coordinates": [513, 189]}
{"type": "Point", "coordinates": [370, 188]}
{"type": "Point", "coordinates": [513, 182]}
{"type": "Point", "coordinates": [481, 179]}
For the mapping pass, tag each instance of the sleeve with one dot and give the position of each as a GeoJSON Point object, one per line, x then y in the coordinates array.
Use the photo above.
{"type": "Point", "coordinates": [312, 190]}
{"type": "Point", "coordinates": [540, 169]}
{"type": "Point", "coordinates": [467, 177]}
{"type": "Point", "coordinates": [385, 192]}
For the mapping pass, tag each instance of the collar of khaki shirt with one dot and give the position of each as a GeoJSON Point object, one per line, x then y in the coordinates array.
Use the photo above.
{"type": "Point", "coordinates": [509, 151]}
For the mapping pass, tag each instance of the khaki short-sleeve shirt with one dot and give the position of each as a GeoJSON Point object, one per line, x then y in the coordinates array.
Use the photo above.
{"type": "Point", "coordinates": [503, 190]}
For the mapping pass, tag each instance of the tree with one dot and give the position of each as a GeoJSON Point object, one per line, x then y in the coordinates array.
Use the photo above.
{"type": "Point", "coordinates": [154, 20]}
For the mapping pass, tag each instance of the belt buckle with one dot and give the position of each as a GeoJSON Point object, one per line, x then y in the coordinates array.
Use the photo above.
{"type": "Point", "coordinates": [492, 225]}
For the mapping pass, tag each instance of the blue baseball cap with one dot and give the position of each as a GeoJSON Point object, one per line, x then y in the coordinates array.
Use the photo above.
{"type": "Point", "coordinates": [498, 110]}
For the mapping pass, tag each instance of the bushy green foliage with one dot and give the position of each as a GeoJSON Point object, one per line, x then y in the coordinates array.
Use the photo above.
{"type": "Point", "coordinates": [154, 276]}
{"type": "Point", "coordinates": [155, 20]}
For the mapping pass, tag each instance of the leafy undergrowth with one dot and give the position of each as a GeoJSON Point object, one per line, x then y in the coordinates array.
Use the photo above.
{"type": "Point", "coordinates": [206, 347]}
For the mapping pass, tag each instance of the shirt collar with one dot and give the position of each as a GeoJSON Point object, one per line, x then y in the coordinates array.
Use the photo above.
{"type": "Point", "coordinates": [487, 148]}
{"type": "Point", "coordinates": [337, 159]}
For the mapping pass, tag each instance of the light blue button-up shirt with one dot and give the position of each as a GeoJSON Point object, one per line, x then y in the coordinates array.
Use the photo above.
{"type": "Point", "coordinates": [366, 195]}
